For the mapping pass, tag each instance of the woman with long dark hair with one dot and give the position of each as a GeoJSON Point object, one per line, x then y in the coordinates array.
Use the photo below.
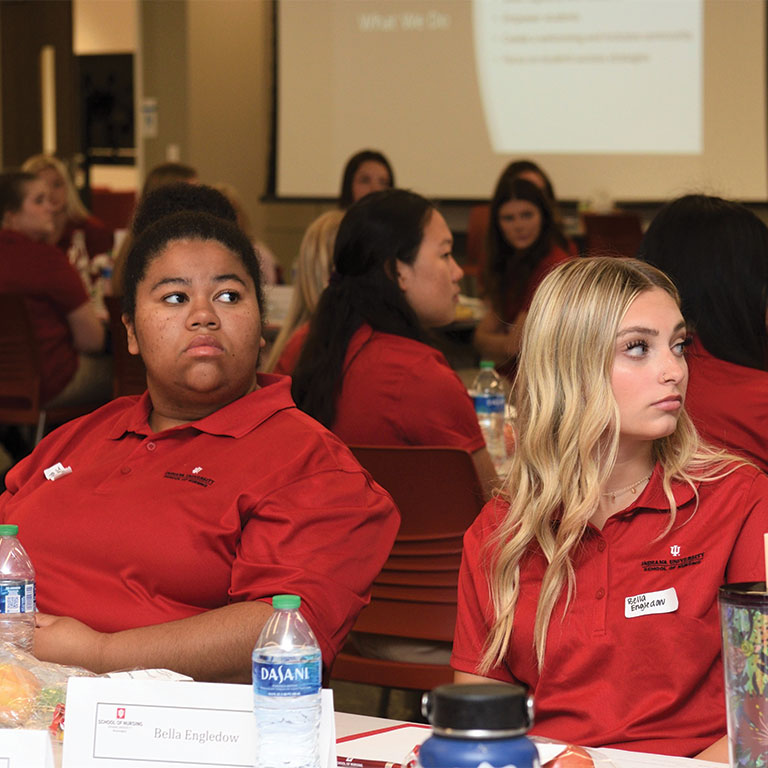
{"type": "Point", "coordinates": [716, 251]}
{"type": "Point", "coordinates": [365, 172]}
{"type": "Point", "coordinates": [367, 370]}
{"type": "Point", "coordinates": [524, 245]}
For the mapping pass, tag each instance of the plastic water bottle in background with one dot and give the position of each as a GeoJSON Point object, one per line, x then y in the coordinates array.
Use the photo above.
{"type": "Point", "coordinates": [78, 257]}
{"type": "Point", "coordinates": [17, 591]}
{"type": "Point", "coordinates": [287, 667]}
{"type": "Point", "coordinates": [490, 402]}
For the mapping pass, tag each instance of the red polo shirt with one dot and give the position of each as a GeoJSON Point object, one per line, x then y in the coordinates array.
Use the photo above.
{"type": "Point", "coordinates": [286, 363]}
{"type": "Point", "coordinates": [52, 289]}
{"type": "Point", "coordinates": [554, 258]}
{"type": "Point", "coordinates": [256, 499]}
{"type": "Point", "coordinates": [397, 391]}
{"type": "Point", "coordinates": [729, 404]}
{"type": "Point", "coordinates": [650, 682]}
{"type": "Point", "coordinates": [98, 237]}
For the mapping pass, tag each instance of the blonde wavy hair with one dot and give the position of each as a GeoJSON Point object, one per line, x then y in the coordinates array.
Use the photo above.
{"type": "Point", "coordinates": [313, 267]}
{"type": "Point", "coordinates": [568, 435]}
{"type": "Point", "coordinates": [37, 163]}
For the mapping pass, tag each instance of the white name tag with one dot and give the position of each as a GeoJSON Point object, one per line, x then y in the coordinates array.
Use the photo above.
{"type": "Point", "coordinates": [132, 723]}
{"type": "Point", "coordinates": [56, 471]}
{"type": "Point", "coordinates": [663, 601]}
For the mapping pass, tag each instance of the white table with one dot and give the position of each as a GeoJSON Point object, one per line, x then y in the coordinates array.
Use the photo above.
{"type": "Point", "coordinates": [348, 724]}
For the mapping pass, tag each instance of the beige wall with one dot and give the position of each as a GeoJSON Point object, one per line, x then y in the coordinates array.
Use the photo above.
{"type": "Point", "coordinates": [209, 65]}
{"type": "Point", "coordinates": [162, 64]}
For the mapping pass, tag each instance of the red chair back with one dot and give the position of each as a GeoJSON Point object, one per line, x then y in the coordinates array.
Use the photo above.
{"type": "Point", "coordinates": [439, 495]}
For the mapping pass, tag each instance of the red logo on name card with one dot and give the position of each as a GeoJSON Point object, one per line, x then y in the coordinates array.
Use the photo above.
{"type": "Point", "coordinates": [121, 713]}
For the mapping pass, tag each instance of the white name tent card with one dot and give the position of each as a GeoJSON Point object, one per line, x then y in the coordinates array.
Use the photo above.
{"type": "Point", "coordinates": [123, 723]}
{"type": "Point", "coordinates": [25, 749]}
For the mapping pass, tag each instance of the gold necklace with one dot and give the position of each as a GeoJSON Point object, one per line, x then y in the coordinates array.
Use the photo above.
{"type": "Point", "coordinates": [619, 491]}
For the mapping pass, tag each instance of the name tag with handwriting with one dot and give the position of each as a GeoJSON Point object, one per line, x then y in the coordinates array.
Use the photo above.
{"type": "Point", "coordinates": [663, 601]}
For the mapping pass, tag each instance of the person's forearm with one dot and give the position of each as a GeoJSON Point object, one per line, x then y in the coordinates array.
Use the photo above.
{"type": "Point", "coordinates": [717, 752]}
{"type": "Point", "coordinates": [212, 646]}
{"type": "Point", "coordinates": [492, 345]}
{"type": "Point", "coordinates": [499, 342]}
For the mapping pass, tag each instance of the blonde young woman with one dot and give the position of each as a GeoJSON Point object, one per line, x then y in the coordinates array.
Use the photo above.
{"type": "Point", "coordinates": [69, 213]}
{"type": "Point", "coordinates": [593, 577]}
{"type": "Point", "coordinates": [313, 267]}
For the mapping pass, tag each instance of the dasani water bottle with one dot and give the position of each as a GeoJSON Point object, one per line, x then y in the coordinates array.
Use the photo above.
{"type": "Point", "coordinates": [287, 666]}
{"type": "Point", "coordinates": [490, 402]}
{"type": "Point", "coordinates": [17, 591]}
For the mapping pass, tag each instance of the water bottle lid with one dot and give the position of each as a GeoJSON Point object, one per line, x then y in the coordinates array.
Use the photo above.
{"type": "Point", "coordinates": [9, 530]}
{"type": "Point", "coordinates": [487, 364]}
{"type": "Point", "coordinates": [286, 602]}
{"type": "Point", "coordinates": [484, 710]}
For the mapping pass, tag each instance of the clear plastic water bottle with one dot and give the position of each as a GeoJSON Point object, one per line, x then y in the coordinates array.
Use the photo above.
{"type": "Point", "coordinates": [287, 667]}
{"type": "Point", "coordinates": [490, 402]}
{"type": "Point", "coordinates": [17, 591]}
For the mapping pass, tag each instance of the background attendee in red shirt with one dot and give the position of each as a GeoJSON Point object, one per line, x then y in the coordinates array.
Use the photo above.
{"type": "Point", "coordinates": [524, 244]}
{"type": "Point", "coordinates": [716, 251]}
{"type": "Point", "coordinates": [68, 332]}
{"type": "Point", "coordinates": [69, 213]}
{"type": "Point", "coordinates": [593, 578]}
{"type": "Point", "coordinates": [367, 369]}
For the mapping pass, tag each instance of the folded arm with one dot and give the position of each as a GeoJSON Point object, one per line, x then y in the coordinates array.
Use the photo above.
{"type": "Point", "coordinates": [497, 340]}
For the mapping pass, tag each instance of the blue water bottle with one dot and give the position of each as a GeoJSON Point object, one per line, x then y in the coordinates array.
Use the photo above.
{"type": "Point", "coordinates": [475, 725]}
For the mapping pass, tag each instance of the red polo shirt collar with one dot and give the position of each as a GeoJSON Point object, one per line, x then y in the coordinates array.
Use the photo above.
{"type": "Point", "coordinates": [274, 395]}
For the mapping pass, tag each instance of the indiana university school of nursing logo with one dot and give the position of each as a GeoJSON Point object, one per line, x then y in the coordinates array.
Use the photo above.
{"type": "Point", "coordinates": [120, 713]}
{"type": "Point", "coordinates": [674, 550]}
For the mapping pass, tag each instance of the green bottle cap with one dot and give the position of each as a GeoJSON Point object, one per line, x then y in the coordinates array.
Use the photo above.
{"type": "Point", "coordinates": [286, 602]}
{"type": "Point", "coordinates": [9, 530]}
{"type": "Point", "coordinates": [487, 364]}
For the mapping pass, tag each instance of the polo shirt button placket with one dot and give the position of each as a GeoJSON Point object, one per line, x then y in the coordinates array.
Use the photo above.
{"type": "Point", "coordinates": [151, 446]}
{"type": "Point", "coordinates": [125, 470]}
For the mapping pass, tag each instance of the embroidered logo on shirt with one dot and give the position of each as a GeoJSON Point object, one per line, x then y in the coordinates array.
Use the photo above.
{"type": "Point", "coordinates": [673, 563]}
{"type": "Point", "coordinates": [198, 470]}
{"type": "Point", "coordinates": [190, 477]}
{"type": "Point", "coordinates": [674, 550]}
{"type": "Point", "coordinates": [56, 471]}
{"type": "Point", "coordinates": [663, 601]}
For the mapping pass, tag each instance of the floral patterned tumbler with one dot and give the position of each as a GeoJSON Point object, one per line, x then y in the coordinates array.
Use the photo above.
{"type": "Point", "coordinates": [744, 625]}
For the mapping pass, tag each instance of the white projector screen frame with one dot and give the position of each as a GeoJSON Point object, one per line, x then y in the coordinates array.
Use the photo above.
{"type": "Point", "coordinates": [631, 100]}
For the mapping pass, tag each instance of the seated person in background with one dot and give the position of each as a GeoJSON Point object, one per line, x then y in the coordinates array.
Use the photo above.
{"type": "Point", "coordinates": [716, 251]}
{"type": "Point", "coordinates": [70, 336]}
{"type": "Point", "coordinates": [527, 169]}
{"type": "Point", "coordinates": [312, 269]}
{"type": "Point", "coordinates": [367, 370]}
{"type": "Point", "coordinates": [270, 269]}
{"type": "Point", "coordinates": [175, 197]}
{"type": "Point", "coordinates": [160, 176]}
{"type": "Point", "coordinates": [365, 172]}
{"type": "Point", "coordinates": [189, 507]}
{"type": "Point", "coordinates": [558, 579]}
{"type": "Point", "coordinates": [69, 213]}
{"type": "Point", "coordinates": [169, 173]}
{"type": "Point", "coordinates": [524, 245]}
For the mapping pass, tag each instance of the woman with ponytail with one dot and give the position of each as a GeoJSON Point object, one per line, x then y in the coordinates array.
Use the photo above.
{"type": "Point", "coordinates": [592, 578]}
{"type": "Point", "coordinates": [367, 370]}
